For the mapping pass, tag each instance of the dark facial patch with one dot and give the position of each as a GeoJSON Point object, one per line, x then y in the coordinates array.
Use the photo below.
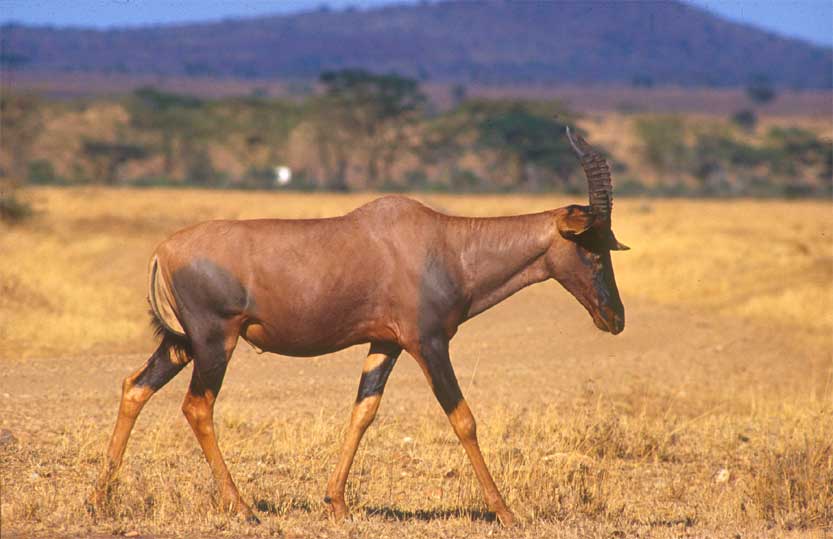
{"type": "Point", "coordinates": [373, 382]}
{"type": "Point", "coordinates": [604, 286]}
{"type": "Point", "coordinates": [605, 283]}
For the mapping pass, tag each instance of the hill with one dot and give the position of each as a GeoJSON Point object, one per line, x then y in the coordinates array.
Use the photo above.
{"type": "Point", "coordinates": [492, 43]}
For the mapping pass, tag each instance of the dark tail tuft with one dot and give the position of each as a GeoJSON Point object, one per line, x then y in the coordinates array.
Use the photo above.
{"type": "Point", "coordinates": [179, 342]}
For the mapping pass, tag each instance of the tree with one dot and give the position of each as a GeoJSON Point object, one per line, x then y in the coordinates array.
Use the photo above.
{"type": "Point", "coordinates": [108, 156]}
{"type": "Point", "coordinates": [746, 119]}
{"type": "Point", "coordinates": [760, 90]}
{"type": "Point", "coordinates": [179, 120]}
{"type": "Point", "coordinates": [664, 142]}
{"type": "Point", "coordinates": [527, 138]}
{"type": "Point", "coordinates": [369, 110]}
{"type": "Point", "coordinates": [21, 121]}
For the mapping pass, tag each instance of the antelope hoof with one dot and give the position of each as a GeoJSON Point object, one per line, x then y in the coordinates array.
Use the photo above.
{"type": "Point", "coordinates": [338, 509]}
{"type": "Point", "coordinates": [246, 513]}
{"type": "Point", "coordinates": [95, 501]}
{"type": "Point", "coordinates": [506, 518]}
{"type": "Point", "coordinates": [89, 505]}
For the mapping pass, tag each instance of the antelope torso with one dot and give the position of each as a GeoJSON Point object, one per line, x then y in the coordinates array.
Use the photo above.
{"type": "Point", "coordinates": [309, 287]}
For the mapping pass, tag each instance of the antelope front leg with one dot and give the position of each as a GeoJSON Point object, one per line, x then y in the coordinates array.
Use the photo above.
{"type": "Point", "coordinates": [377, 367]}
{"type": "Point", "coordinates": [436, 364]}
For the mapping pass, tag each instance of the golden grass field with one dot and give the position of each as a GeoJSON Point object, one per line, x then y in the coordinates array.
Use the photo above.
{"type": "Point", "coordinates": [710, 416]}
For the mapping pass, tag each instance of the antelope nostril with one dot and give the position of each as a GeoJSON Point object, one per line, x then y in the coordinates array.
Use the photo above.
{"type": "Point", "coordinates": [613, 319]}
{"type": "Point", "coordinates": [618, 323]}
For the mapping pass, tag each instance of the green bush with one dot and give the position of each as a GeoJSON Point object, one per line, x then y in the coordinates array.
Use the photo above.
{"type": "Point", "coordinates": [800, 144]}
{"type": "Point", "coordinates": [630, 187]}
{"type": "Point", "coordinates": [41, 172]}
{"type": "Point", "coordinates": [201, 170]}
{"type": "Point", "coordinates": [151, 181]}
{"type": "Point", "coordinates": [13, 210]}
{"type": "Point", "coordinates": [260, 177]}
{"type": "Point", "coordinates": [663, 142]}
{"type": "Point", "coordinates": [467, 181]}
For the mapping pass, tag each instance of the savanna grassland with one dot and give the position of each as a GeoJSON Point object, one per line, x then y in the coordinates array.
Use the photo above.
{"type": "Point", "coordinates": [710, 416]}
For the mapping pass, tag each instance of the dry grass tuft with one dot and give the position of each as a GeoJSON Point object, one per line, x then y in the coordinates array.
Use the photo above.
{"type": "Point", "coordinates": [791, 485]}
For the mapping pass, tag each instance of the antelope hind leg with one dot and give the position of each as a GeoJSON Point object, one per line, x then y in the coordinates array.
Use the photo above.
{"type": "Point", "coordinates": [210, 362]}
{"type": "Point", "coordinates": [165, 363]}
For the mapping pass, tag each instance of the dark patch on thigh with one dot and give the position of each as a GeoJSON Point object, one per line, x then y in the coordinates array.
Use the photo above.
{"type": "Point", "coordinates": [373, 381]}
{"type": "Point", "coordinates": [208, 376]}
{"type": "Point", "coordinates": [205, 284]}
{"type": "Point", "coordinates": [208, 297]}
{"type": "Point", "coordinates": [209, 335]}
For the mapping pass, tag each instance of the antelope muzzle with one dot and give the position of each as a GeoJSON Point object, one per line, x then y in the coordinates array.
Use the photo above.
{"type": "Point", "coordinates": [610, 319]}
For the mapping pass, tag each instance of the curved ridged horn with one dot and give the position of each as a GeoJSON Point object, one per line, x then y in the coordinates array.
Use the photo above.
{"type": "Point", "coordinates": [598, 175]}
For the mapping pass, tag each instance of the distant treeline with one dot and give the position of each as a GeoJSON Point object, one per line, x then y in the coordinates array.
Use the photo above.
{"type": "Point", "coordinates": [369, 131]}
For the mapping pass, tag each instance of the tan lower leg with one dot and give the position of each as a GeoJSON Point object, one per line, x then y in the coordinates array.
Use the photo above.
{"type": "Point", "coordinates": [465, 427]}
{"type": "Point", "coordinates": [133, 398]}
{"type": "Point", "coordinates": [199, 410]}
{"type": "Point", "coordinates": [362, 416]}
{"type": "Point", "coordinates": [360, 419]}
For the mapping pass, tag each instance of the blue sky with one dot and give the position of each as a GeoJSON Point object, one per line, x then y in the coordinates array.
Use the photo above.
{"type": "Point", "coordinates": [811, 20]}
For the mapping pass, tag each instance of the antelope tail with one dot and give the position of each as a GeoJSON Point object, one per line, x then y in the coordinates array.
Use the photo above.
{"type": "Point", "coordinates": [162, 302]}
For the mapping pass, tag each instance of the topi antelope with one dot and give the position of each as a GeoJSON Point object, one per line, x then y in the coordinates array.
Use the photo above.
{"type": "Point", "coordinates": [393, 273]}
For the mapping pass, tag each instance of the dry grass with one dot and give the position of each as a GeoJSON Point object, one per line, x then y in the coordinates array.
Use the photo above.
{"type": "Point", "coordinates": [710, 416]}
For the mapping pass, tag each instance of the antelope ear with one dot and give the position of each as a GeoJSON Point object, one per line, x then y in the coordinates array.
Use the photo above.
{"type": "Point", "coordinates": [575, 220]}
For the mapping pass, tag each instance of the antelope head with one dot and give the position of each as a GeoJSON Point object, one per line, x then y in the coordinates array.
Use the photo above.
{"type": "Point", "coordinates": [579, 258]}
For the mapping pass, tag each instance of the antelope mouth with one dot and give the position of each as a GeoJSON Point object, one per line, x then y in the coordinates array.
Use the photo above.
{"type": "Point", "coordinates": [613, 323]}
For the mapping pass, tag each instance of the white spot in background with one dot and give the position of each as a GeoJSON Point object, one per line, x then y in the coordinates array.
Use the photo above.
{"type": "Point", "coordinates": [283, 175]}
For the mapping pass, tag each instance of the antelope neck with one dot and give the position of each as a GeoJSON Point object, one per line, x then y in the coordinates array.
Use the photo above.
{"type": "Point", "coordinates": [501, 255]}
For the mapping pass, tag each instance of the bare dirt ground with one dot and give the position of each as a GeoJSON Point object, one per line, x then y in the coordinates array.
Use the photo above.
{"type": "Point", "coordinates": [695, 422]}
{"type": "Point", "coordinates": [537, 357]}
